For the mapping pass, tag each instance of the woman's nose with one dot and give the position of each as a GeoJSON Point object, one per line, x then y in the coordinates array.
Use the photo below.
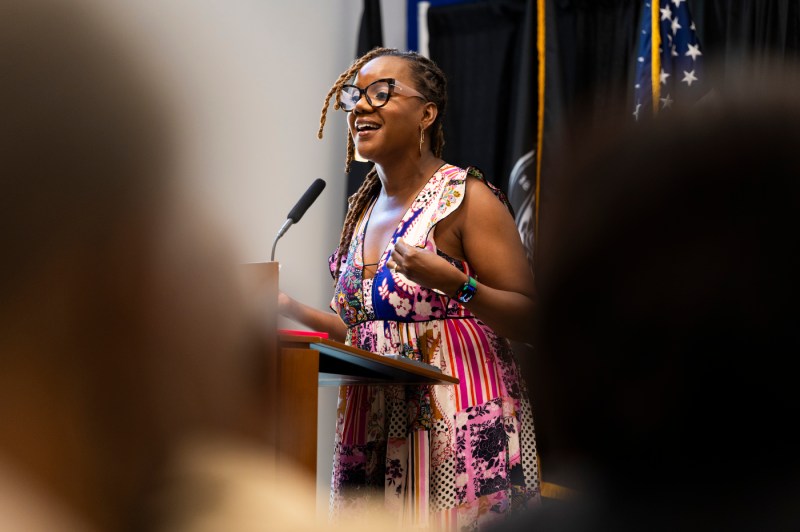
{"type": "Point", "coordinates": [363, 106]}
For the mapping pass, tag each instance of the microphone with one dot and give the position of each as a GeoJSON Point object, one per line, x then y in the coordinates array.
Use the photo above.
{"type": "Point", "coordinates": [299, 210]}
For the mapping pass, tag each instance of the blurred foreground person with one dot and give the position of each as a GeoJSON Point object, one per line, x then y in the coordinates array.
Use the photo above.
{"type": "Point", "coordinates": [668, 278]}
{"type": "Point", "coordinates": [122, 333]}
{"type": "Point", "coordinates": [130, 376]}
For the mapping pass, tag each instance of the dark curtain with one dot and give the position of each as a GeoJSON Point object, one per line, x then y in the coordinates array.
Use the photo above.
{"type": "Point", "coordinates": [765, 31]}
{"type": "Point", "coordinates": [596, 41]}
{"type": "Point", "coordinates": [477, 45]}
{"type": "Point", "coordinates": [370, 32]}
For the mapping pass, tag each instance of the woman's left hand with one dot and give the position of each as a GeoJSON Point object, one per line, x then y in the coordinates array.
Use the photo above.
{"type": "Point", "coordinates": [425, 267]}
{"type": "Point", "coordinates": [482, 232]}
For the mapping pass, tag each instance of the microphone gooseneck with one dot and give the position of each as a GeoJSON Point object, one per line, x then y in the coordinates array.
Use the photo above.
{"type": "Point", "coordinates": [281, 232]}
{"type": "Point", "coordinates": [297, 212]}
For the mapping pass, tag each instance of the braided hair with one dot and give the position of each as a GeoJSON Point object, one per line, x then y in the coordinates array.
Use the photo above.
{"type": "Point", "coordinates": [431, 83]}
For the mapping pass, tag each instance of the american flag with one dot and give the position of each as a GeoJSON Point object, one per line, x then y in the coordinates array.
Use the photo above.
{"type": "Point", "coordinates": [669, 59]}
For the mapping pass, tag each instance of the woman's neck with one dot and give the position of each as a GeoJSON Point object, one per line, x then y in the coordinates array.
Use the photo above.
{"type": "Point", "coordinates": [406, 177]}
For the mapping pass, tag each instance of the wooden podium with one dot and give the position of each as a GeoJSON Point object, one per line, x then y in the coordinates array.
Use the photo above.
{"type": "Point", "coordinates": [306, 362]}
{"type": "Point", "coordinates": [297, 365]}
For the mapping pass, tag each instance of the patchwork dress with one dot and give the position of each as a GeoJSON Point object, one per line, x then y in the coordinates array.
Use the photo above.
{"type": "Point", "coordinates": [446, 457]}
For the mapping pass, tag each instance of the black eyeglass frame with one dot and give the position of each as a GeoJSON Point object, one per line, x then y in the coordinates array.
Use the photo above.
{"type": "Point", "coordinates": [394, 86]}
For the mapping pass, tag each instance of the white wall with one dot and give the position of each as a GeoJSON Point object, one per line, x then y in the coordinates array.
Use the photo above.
{"type": "Point", "coordinates": [252, 75]}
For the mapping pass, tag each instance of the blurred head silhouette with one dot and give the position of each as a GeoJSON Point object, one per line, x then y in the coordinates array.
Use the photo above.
{"type": "Point", "coordinates": [667, 275]}
{"type": "Point", "coordinates": [120, 322]}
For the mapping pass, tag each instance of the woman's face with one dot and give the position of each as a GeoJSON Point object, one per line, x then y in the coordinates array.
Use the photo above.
{"type": "Point", "coordinates": [389, 132]}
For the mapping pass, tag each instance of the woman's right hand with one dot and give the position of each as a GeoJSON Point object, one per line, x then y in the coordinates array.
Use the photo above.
{"type": "Point", "coordinates": [284, 302]}
{"type": "Point", "coordinates": [314, 319]}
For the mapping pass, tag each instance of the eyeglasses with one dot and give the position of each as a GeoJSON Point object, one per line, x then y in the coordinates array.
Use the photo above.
{"type": "Point", "coordinates": [377, 93]}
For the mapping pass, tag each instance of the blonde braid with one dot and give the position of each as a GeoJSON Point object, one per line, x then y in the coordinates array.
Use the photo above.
{"type": "Point", "coordinates": [333, 90]}
{"type": "Point", "coordinates": [351, 154]}
{"type": "Point", "coordinates": [343, 78]}
{"type": "Point", "coordinates": [356, 204]}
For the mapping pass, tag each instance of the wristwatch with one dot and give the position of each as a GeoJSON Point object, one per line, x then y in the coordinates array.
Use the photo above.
{"type": "Point", "coordinates": [467, 290]}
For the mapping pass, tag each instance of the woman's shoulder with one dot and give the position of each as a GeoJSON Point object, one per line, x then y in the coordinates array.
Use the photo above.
{"type": "Point", "coordinates": [478, 187]}
{"type": "Point", "coordinates": [466, 189]}
{"type": "Point", "coordinates": [457, 176]}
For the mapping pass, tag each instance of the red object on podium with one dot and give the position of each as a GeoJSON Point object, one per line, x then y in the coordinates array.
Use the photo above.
{"type": "Point", "coordinates": [297, 332]}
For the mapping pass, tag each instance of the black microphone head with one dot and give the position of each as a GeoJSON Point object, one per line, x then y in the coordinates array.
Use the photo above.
{"type": "Point", "coordinates": [306, 200]}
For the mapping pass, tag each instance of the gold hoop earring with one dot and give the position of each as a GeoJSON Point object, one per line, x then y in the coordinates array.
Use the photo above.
{"type": "Point", "coordinates": [421, 138]}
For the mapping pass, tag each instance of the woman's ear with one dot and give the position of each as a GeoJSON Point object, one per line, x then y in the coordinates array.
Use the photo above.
{"type": "Point", "coordinates": [429, 114]}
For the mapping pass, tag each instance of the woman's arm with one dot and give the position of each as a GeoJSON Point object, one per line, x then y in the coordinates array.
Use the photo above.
{"type": "Point", "coordinates": [312, 318]}
{"type": "Point", "coordinates": [482, 232]}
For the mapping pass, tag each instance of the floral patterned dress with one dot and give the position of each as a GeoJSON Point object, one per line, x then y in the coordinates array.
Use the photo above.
{"type": "Point", "coordinates": [446, 457]}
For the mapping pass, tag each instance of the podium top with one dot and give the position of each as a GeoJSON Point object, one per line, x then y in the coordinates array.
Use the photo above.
{"type": "Point", "coordinates": [343, 364]}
